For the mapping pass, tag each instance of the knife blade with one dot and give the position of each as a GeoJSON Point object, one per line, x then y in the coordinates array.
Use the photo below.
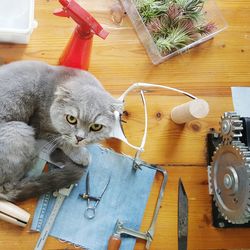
{"type": "Point", "coordinates": [182, 217]}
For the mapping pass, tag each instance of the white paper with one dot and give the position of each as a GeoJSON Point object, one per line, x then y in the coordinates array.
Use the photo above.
{"type": "Point", "coordinates": [241, 100]}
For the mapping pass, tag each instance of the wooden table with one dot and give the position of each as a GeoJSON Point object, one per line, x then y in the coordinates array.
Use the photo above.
{"type": "Point", "coordinates": [207, 71]}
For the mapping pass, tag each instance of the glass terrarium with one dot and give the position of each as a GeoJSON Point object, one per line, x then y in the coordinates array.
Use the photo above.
{"type": "Point", "coordinates": [169, 27]}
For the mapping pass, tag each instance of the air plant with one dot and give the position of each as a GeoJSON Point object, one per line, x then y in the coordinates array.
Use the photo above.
{"type": "Point", "coordinates": [174, 24]}
{"type": "Point", "coordinates": [207, 28]}
{"type": "Point", "coordinates": [149, 9]}
{"type": "Point", "coordinates": [177, 38]}
{"type": "Point", "coordinates": [192, 9]}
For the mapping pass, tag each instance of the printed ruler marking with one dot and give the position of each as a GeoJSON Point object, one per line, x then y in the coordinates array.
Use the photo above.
{"type": "Point", "coordinates": [45, 202]}
{"type": "Point", "coordinates": [46, 198]}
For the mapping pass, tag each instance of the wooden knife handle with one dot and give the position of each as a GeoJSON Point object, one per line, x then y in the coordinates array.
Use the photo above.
{"type": "Point", "coordinates": [114, 242]}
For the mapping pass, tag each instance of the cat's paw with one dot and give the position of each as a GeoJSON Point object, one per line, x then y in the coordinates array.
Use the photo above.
{"type": "Point", "coordinates": [80, 156]}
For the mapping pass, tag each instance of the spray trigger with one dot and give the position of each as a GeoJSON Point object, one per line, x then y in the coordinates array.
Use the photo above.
{"type": "Point", "coordinates": [61, 12]}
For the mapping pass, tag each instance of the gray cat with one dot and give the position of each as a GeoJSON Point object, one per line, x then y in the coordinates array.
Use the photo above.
{"type": "Point", "coordinates": [66, 106]}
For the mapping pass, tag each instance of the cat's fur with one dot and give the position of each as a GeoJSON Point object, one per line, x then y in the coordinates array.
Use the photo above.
{"type": "Point", "coordinates": [34, 101]}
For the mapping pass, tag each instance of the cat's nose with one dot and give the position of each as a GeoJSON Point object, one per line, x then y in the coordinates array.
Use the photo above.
{"type": "Point", "coordinates": [78, 138]}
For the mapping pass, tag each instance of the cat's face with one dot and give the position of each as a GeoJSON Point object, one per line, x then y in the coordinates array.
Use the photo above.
{"type": "Point", "coordinates": [83, 115]}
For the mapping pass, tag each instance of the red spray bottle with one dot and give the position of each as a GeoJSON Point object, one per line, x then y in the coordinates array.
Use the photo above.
{"type": "Point", "coordinates": [77, 52]}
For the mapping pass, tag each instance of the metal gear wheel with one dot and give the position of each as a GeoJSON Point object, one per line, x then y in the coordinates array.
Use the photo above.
{"type": "Point", "coordinates": [230, 127]}
{"type": "Point", "coordinates": [230, 181]}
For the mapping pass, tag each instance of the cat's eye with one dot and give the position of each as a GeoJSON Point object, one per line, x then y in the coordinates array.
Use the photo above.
{"type": "Point", "coordinates": [96, 127]}
{"type": "Point", "coordinates": [71, 119]}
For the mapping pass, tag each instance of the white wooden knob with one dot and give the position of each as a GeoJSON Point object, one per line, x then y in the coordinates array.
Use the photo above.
{"type": "Point", "coordinates": [189, 111]}
{"type": "Point", "coordinates": [11, 213]}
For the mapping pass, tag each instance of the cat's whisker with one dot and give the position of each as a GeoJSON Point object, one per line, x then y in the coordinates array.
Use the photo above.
{"type": "Point", "coordinates": [51, 149]}
{"type": "Point", "coordinates": [51, 145]}
{"type": "Point", "coordinates": [49, 142]}
{"type": "Point", "coordinates": [66, 136]}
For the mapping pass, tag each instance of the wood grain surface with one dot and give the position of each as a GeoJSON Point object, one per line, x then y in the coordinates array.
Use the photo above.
{"type": "Point", "coordinates": [207, 71]}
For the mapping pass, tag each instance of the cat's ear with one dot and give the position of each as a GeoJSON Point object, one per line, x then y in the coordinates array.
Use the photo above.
{"type": "Point", "coordinates": [62, 93]}
{"type": "Point", "coordinates": [117, 106]}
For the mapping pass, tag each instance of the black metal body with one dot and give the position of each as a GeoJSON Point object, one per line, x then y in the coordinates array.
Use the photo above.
{"type": "Point", "coordinates": [213, 140]}
{"type": "Point", "coordinates": [246, 130]}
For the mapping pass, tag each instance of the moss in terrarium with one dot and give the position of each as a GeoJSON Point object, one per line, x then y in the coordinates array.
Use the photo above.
{"type": "Point", "coordinates": [174, 24]}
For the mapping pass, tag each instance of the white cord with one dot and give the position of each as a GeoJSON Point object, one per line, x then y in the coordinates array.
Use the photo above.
{"type": "Point", "coordinates": [147, 85]}
{"type": "Point", "coordinates": [146, 122]}
{"type": "Point", "coordinates": [143, 142]}
{"type": "Point", "coordinates": [151, 85]}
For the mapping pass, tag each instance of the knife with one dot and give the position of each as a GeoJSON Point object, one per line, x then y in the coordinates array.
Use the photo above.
{"type": "Point", "coordinates": [182, 217]}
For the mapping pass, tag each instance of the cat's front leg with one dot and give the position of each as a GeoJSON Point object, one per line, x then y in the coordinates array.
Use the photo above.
{"type": "Point", "coordinates": [79, 155]}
